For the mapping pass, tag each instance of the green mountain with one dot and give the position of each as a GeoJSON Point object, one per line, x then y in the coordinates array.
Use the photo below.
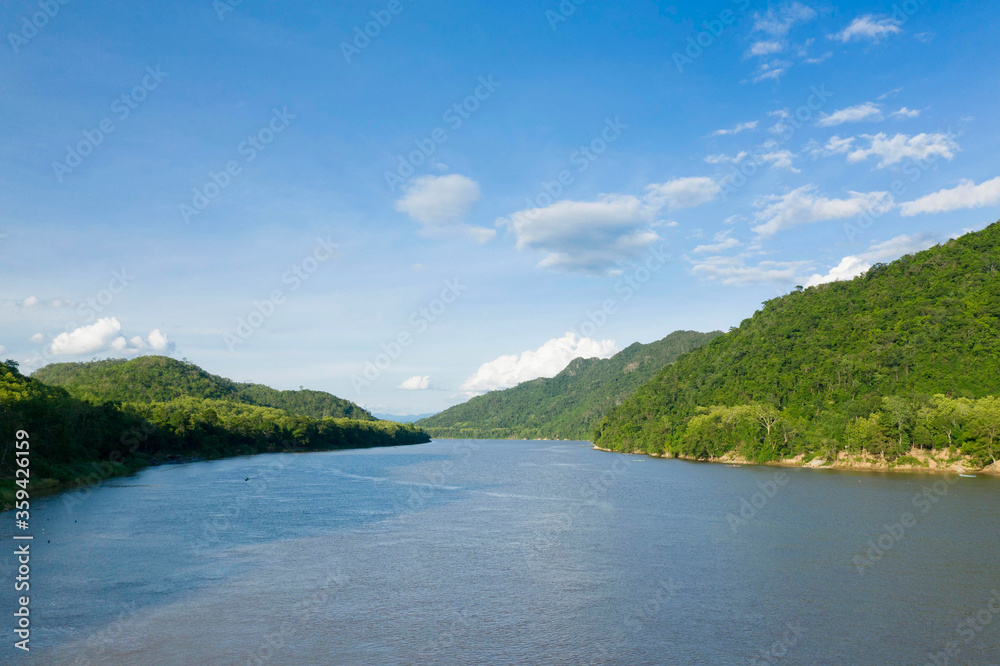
{"type": "Point", "coordinates": [567, 405]}
{"type": "Point", "coordinates": [907, 355]}
{"type": "Point", "coordinates": [97, 430]}
{"type": "Point", "coordinates": [159, 378]}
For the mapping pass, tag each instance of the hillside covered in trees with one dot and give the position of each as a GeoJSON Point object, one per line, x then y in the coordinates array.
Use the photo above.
{"type": "Point", "coordinates": [78, 438]}
{"type": "Point", "coordinates": [907, 355]}
{"type": "Point", "coordinates": [160, 378]}
{"type": "Point", "coordinates": [565, 406]}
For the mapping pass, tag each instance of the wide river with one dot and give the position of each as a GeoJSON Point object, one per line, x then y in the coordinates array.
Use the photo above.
{"type": "Point", "coordinates": [510, 552]}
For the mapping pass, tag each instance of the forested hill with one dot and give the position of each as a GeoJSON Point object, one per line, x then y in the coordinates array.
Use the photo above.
{"type": "Point", "coordinates": [565, 406]}
{"type": "Point", "coordinates": [906, 355]}
{"type": "Point", "coordinates": [109, 432]}
{"type": "Point", "coordinates": [160, 378]}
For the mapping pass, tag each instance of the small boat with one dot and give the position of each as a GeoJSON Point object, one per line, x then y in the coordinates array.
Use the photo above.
{"type": "Point", "coordinates": [968, 476]}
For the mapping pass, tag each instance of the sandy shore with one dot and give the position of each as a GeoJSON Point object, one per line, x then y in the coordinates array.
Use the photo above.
{"type": "Point", "coordinates": [923, 461]}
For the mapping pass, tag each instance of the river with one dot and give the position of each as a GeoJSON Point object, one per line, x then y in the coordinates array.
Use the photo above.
{"type": "Point", "coordinates": [510, 552]}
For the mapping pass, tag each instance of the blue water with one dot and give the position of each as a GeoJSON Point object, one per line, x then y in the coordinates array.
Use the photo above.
{"type": "Point", "coordinates": [507, 552]}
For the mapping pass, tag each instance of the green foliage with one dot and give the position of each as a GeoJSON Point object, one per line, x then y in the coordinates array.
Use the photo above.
{"type": "Point", "coordinates": [844, 364]}
{"type": "Point", "coordinates": [160, 378]}
{"type": "Point", "coordinates": [567, 405]}
{"type": "Point", "coordinates": [76, 441]}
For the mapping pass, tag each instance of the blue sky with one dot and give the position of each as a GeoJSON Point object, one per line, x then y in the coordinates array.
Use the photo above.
{"type": "Point", "coordinates": [506, 185]}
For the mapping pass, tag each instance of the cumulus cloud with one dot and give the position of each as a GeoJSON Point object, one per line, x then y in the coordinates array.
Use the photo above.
{"type": "Point", "coordinates": [764, 48]}
{"type": "Point", "coordinates": [779, 159]}
{"type": "Point", "coordinates": [98, 336]}
{"type": "Point", "coordinates": [852, 266]}
{"type": "Point", "coordinates": [722, 243]}
{"type": "Point", "coordinates": [966, 195]}
{"type": "Point", "coordinates": [546, 361]}
{"type": "Point", "coordinates": [726, 159]}
{"type": "Point", "coordinates": [594, 237]}
{"type": "Point", "coordinates": [894, 150]}
{"type": "Point", "coordinates": [105, 335]}
{"type": "Point", "coordinates": [852, 114]}
{"type": "Point", "coordinates": [734, 270]}
{"type": "Point", "coordinates": [804, 206]}
{"type": "Point", "coordinates": [870, 27]}
{"type": "Point", "coordinates": [585, 236]}
{"type": "Point", "coordinates": [835, 146]}
{"type": "Point", "coordinates": [682, 192]}
{"type": "Point", "coordinates": [905, 113]}
{"type": "Point", "coordinates": [30, 301]}
{"type": "Point", "coordinates": [2, 349]}
{"type": "Point", "coordinates": [741, 127]}
{"type": "Point", "coordinates": [417, 383]}
{"type": "Point", "coordinates": [779, 20]}
{"type": "Point", "coordinates": [441, 203]}
{"type": "Point", "coordinates": [37, 337]}
{"type": "Point", "coordinates": [771, 71]}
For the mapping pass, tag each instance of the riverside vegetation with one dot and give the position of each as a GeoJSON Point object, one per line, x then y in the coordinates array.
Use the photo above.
{"type": "Point", "coordinates": [901, 360]}
{"type": "Point", "coordinates": [93, 421]}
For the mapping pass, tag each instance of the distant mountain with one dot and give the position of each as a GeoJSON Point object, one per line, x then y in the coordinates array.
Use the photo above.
{"type": "Point", "coordinates": [907, 355]}
{"type": "Point", "coordinates": [568, 405]}
{"type": "Point", "coordinates": [160, 378]}
{"type": "Point", "coordinates": [411, 418]}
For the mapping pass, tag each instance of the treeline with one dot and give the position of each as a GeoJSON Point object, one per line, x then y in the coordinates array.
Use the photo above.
{"type": "Point", "coordinates": [870, 364]}
{"type": "Point", "coordinates": [761, 433]}
{"type": "Point", "coordinates": [76, 441]}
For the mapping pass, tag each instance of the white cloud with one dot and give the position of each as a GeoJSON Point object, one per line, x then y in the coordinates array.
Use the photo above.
{"type": "Point", "coordinates": [835, 146]}
{"type": "Point", "coordinates": [817, 60]}
{"type": "Point", "coordinates": [726, 159]}
{"type": "Point", "coordinates": [966, 195]}
{"type": "Point", "coordinates": [901, 146]}
{"type": "Point", "coordinates": [804, 206]}
{"type": "Point", "coordinates": [741, 127]}
{"type": "Point", "coordinates": [848, 269]}
{"type": "Point", "coordinates": [852, 114]}
{"type": "Point", "coordinates": [594, 237]}
{"type": "Point", "coordinates": [780, 126]}
{"type": "Point", "coordinates": [852, 266]}
{"type": "Point", "coordinates": [869, 27]}
{"type": "Point", "coordinates": [546, 361]}
{"type": "Point", "coordinates": [441, 203]}
{"type": "Point", "coordinates": [417, 383]}
{"type": "Point", "coordinates": [780, 159]}
{"type": "Point", "coordinates": [585, 236]}
{"type": "Point", "coordinates": [437, 200]}
{"type": "Point", "coordinates": [157, 340]}
{"type": "Point", "coordinates": [769, 47]}
{"type": "Point", "coordinates": [105, 335]}
{"type": "Point", "coordinates": [87, 339]}
{"type": "Point", "coordinates": [682, 192]}
{"type": "Point", "coordinates": [2, 349]}
{"type": "Point", "coordinates": [29, 301]}
{"type": "Point", "coordinates": [722, 243]}
{"type": "Point", "coordinates": [733, 270]}
{"type": "Point", "coordinates": [37, 337]}
{"type": "Point", "coordinates": [777, 21]}
{"type": "Point", "coordinates": [904, 113]}
{"type": "Point", "coordinates": [771, 71]}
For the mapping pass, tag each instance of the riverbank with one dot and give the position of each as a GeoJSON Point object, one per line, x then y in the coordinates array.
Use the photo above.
{"type": "Point", "coordinates": [916, 460]}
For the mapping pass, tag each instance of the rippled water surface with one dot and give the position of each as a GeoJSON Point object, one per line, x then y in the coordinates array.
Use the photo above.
{"type": "Point", "coordinates": [511, 552]}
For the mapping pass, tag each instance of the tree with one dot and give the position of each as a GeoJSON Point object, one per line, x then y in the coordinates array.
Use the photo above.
{"type": "Point", "coordinates": [986, 423]}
